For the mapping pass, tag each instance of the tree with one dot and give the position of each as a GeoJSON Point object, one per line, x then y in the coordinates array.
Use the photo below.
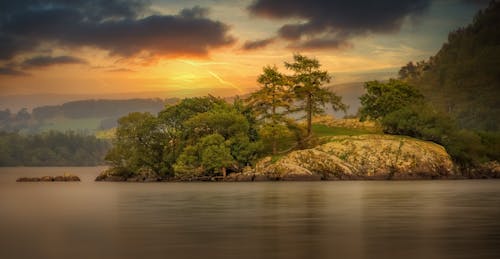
{"type": "Point", "coordinates": [217, 139]}
{"type": "Point", "coordinates": [139, 144]}
{"type": "Point", "coordinates": [419, 121]}
{"type": "Point", "coordinates": [307, 82]}
{"type": "Point", "coordinates": [172, 124]}
{"type": "Point", "coordinates": [271, 102]}
{"type": "Point", "coordinates": [381, 99]}
{"type": "Point", "coordinates": [210, 154]}
{"type": "Point", "coordinates": [216, 153]}
{"type": "Point", "coordinates": [23, 115]}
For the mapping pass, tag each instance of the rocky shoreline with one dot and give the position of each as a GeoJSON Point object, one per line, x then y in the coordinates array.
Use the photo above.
{"type": "Point", "coordinates": [365, 157]}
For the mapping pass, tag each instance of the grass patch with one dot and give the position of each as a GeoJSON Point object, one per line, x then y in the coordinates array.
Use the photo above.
{"type": "Point", "coordinates": [325, 131]}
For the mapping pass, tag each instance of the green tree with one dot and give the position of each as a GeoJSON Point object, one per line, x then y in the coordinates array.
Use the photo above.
{"type": "Point", "coordinates": [271, 102]}
{"type": "Point", "coordinates": [218, 138]}
{"type": "Point", "coordinates": [308, 80]}
{"type": "Point", "coordinates": [139, 144]}
{"type": "Point", "coordinates": [172, 124]}
{"type": "Point", "coordinates": [211, 154]}
{"type": "Point", "coordinates": [419, 121]}
{"type": "Point", "coordinates": [216, 154]}
{"type": "Point", "coordinates": [381, 98]}
{"type": "Point", "coordinates": [222, 119]}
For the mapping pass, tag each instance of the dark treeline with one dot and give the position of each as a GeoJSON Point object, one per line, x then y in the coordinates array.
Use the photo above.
{"type": "Point", "coordinates": [462, 79]}
{"type": "Point", "coordinates": [51, 149]}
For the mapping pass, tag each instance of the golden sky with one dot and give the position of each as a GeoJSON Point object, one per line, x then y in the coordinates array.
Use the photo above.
{"type": "Point", "coordinates": [193, 47]}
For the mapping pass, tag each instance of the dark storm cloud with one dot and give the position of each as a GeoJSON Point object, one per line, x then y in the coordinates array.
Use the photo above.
{"type": "Point", "coordinates": [94, 9]}
{"type": "Point", "coordinates": [121, 27]}
{"type": "Point", "coordinates": [46, 61]}
{"type": "Point", "coordinates": [257, 44]}
{"type": "Point", "coordinates": [332, 23]}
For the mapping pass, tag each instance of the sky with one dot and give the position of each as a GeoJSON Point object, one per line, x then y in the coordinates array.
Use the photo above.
{"type": "Point", "coordinates": [194, 47]}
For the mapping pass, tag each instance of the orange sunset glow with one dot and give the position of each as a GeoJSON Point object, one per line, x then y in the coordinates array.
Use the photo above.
{"type": "Point", "coordinates": [189, 48]}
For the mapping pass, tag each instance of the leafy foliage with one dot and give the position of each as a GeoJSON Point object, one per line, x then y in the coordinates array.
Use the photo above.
{"type": "Point", "coordinates": [198, 136]}
{"type": "Point", "coordinates": [381, 99]}
{"type": "Point", "coordinates": [139, 144]}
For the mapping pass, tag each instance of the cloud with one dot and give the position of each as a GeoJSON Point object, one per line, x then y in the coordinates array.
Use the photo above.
{"type": "Point", "coordinates": [321, 43]}
{"type": "Point", "coordinates": [121, 70]}
{"type": "Point", "coordinates": [333, 23]}
{"type": "Point", "coordinates": [257, 44]}
{"type": "Point", "coordinates": [10, 71]}
{"type": "Point", "coordinates": [46, 61]}
{"type": "Point", "coordinates": [123, 27]}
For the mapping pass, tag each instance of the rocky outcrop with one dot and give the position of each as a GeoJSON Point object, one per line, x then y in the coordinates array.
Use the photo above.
{"type": "Point", "coordinates": [484, 171]}
{"type": "Point", "coordinates": [359, 157]}
{"type": "Point", "coordinates": [63, 178]}
{"type": "Point", "coordinates": [117, 175]}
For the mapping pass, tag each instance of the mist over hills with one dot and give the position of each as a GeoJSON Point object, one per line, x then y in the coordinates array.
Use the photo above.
{"type": "Point", "coordinates": [38, 113]}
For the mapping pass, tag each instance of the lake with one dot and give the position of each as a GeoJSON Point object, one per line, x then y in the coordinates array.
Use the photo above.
{"type": "Point", "coordinates": [340, 219]}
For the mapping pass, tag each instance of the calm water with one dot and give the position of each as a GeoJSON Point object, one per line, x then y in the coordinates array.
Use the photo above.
{"type": "Point", "coordinates": [352, 219]}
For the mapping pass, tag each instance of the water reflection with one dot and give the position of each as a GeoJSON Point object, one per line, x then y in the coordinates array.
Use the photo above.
{"type": "Point", "coordinates": [421, 219]}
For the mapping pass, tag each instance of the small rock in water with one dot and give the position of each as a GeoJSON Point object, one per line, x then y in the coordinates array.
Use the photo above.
{"type": "Point", "coordinates": [47, 179]}
{"type": "Point", "coordinates": [59, 178]}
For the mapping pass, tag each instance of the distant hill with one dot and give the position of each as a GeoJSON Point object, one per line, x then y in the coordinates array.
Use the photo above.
{"type": "Point", "coordinates": [16, 102]}
{"type": "Point", "coordinates": [350, 93]}
{"type": "Point", "coordinates": [463, 78]}
{"type": "Point", "coordinates": [84, 115]}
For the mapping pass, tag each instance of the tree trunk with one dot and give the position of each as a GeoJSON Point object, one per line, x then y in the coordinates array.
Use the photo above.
{"type": "Point", "coordinates": [274, 124]}
{"type": "Point", "coordinates": [309, 114]}
{"type": "Point", "coordinates": [224, 172]}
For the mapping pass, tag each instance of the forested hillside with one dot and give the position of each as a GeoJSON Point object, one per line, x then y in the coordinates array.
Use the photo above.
{"type": "Point", "coordinates": [463, 78]}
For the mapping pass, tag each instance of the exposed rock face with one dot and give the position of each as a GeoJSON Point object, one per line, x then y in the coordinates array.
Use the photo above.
{"type": "Point", "coordinates": [360, 157]}
{"type": "Point", "coordinates": [487, 170]}
{"type": "Point", "coordinates": [59, 178]}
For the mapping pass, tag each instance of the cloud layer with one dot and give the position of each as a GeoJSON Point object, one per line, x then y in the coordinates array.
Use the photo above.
{"type": "Point", "coordinates": [46, 61]}
{"type": "Point", "coordinates": [333, 23]}
{"type": "Point", "coordinates": [122, 27]}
